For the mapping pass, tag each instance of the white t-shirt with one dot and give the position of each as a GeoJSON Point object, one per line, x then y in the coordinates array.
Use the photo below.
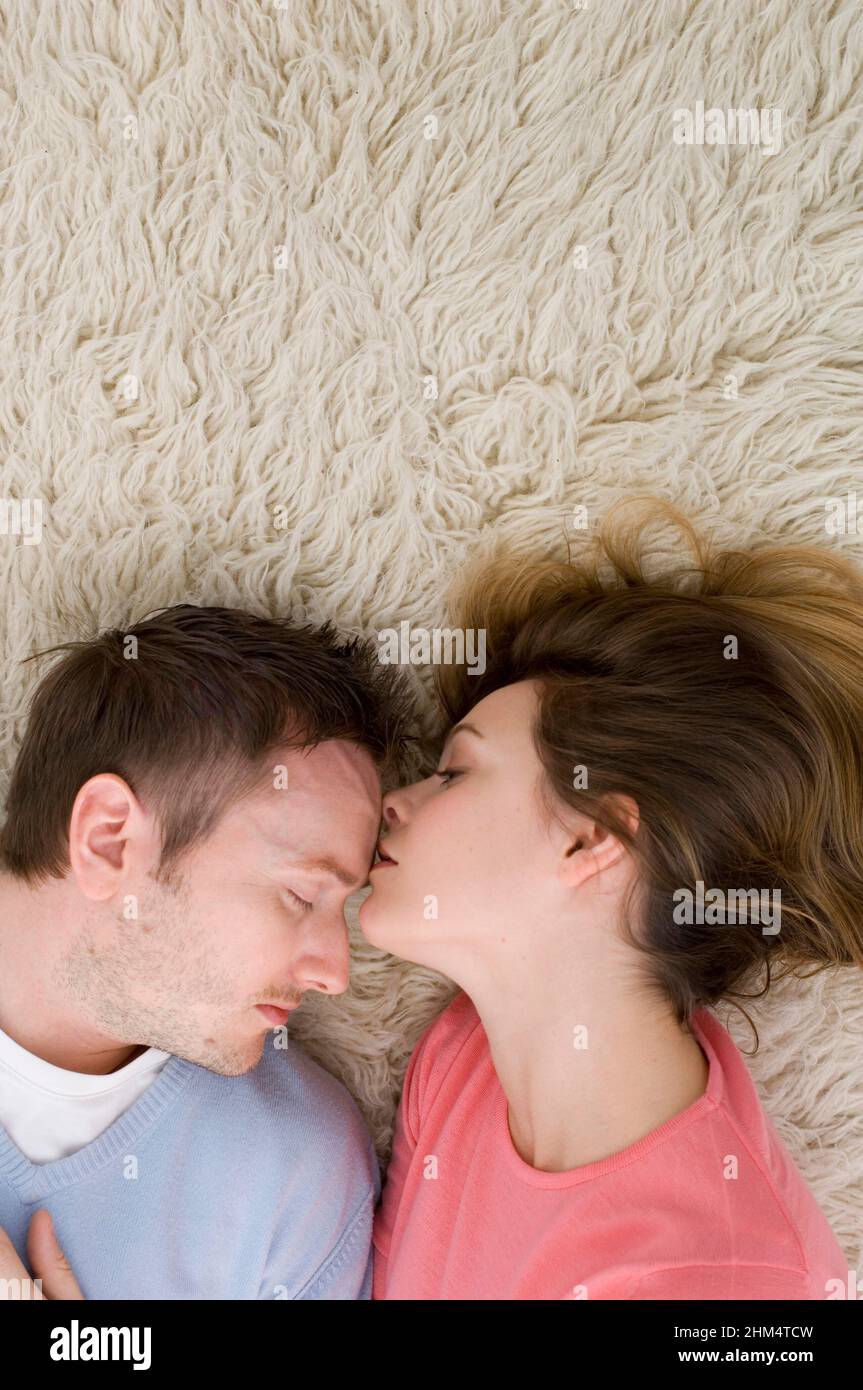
{"type": "Point", "coordinates": [49, 1112]}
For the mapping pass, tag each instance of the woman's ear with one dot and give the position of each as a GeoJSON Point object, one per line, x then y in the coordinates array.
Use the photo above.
{"type": "Point", "coordinates": [589, 854]}
{"type": "Point", "coordinates": [627, 808]}
{"type": "Point", "coordinates": [592, 848]}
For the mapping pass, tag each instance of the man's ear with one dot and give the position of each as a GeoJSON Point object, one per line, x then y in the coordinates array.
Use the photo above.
{"type": "Point", "coordinates": [109, 834]}
{"type": "Point", "coordinates": [588, 847]}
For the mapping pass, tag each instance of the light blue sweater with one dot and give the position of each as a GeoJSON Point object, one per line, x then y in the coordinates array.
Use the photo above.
{"type": "Point", "coordinates": [227, 1187]}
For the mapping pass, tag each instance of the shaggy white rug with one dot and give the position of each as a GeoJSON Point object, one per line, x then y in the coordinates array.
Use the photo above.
{"type": "Point", "coordinates": [302, 299]}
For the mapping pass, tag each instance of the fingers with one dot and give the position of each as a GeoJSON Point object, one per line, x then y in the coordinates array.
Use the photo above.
{"type": "Point", "coordinates": [15, 1281]}
{"type": "Point", "coordinates": [48, 1261]}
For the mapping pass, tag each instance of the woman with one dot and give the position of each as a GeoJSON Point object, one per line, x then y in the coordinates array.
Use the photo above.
{"type": "Point", "coordinates": [577, 1124]}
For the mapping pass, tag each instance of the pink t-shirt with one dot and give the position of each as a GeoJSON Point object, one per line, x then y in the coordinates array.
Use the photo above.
{"type": "Point", "coordinates": [463, 1216]}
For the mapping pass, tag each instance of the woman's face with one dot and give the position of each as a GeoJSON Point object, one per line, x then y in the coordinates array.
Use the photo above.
{"type": "Point", "coordinates": [476, 862]}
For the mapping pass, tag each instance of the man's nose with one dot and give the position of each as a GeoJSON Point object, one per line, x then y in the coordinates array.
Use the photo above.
{"type": "Point", "coordinates": [326, 965]}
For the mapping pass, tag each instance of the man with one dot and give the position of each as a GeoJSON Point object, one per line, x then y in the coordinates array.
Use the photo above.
{"type": "Point", "coordinates": [193, 801]}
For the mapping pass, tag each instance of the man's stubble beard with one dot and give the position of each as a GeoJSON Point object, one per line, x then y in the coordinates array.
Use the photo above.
{"type": "Point", "coordinates": [153, 984]}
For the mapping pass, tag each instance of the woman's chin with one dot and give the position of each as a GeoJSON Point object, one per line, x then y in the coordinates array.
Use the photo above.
{"type": "Point", "coordinates": [368, 920]}
{"type": "Point", "coordinates": [379, 927]}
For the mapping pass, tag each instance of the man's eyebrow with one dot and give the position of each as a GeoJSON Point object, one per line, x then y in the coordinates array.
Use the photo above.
{"type": "Point", "coordinates": [327, 865]}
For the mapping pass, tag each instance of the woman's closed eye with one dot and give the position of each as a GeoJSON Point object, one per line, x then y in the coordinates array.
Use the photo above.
{"type": "Point", "coordinates": [447, 773]}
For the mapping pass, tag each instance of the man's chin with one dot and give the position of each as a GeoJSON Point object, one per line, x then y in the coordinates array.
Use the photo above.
{"type": "Point", "coordinates": [227, 1060]}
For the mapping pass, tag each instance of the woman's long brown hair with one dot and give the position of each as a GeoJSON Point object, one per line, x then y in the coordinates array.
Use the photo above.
{"type": "Point", "coordinates": [726, 697]}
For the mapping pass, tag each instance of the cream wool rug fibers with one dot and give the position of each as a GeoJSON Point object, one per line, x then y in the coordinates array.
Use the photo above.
{"type": "Point", "coordinates": [304, 300]}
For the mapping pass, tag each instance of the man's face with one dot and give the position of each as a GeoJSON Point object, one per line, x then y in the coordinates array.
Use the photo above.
{"type": "Point", "coordinates": [188, 974]}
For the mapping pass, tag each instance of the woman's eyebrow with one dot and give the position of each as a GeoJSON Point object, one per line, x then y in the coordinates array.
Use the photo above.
{"type": "Point", "coordinates": [459, 728]}
{"type": "Point", "coordinates": [471, 729]}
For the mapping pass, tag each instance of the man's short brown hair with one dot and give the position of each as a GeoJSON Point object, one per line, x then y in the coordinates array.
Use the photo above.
{"type": "Point", "coordinates": [185, 707]}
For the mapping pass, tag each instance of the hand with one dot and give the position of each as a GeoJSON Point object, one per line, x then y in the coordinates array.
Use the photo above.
{"type": "Point", "coordinates": [46, 1258]}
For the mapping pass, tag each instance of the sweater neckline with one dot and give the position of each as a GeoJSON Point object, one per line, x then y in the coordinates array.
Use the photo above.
{"type": "Point", "coordinates": [34, 1181]}
{"type": "Point", "coordinates": [701, 1024]}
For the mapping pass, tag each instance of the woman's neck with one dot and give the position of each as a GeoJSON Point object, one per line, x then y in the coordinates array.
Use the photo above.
{"type": "Point", "coordinates": [585, 1083]}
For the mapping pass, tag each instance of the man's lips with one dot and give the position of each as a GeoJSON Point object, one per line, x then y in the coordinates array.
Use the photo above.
{"type": "Point", "coordinates": [275, 1015]}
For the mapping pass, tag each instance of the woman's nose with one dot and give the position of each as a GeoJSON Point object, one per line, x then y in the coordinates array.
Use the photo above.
{"type": "Point", "coordinates": [390, 810]}
{"type": "Point", "coordinates": [398, 805]}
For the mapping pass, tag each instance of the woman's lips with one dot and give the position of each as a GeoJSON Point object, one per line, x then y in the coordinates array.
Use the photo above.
{"type": "Point", "coordinates": [384, 864]}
